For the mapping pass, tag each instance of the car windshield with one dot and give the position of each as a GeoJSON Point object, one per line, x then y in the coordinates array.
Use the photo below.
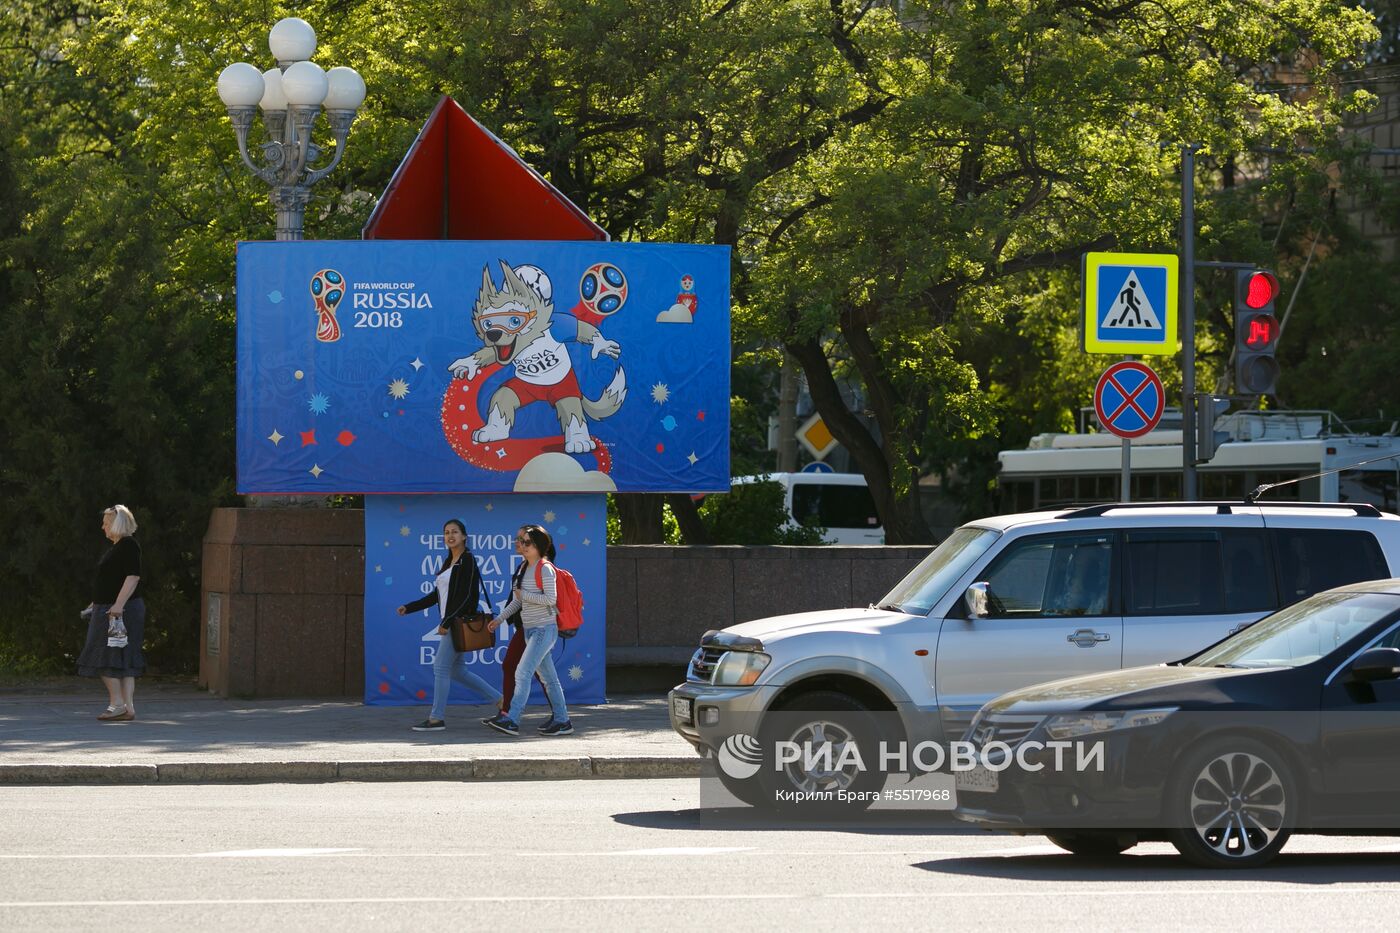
{"type": "Point", "coordinates": [926, 583]}
{"type": "Point", "coordinates": [1302, 633]}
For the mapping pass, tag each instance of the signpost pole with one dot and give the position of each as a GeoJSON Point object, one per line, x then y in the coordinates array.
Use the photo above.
{"type": "Point", "coordinates": [1127, 494]}
{"type": "Point", "coordinates": [1188, 320]}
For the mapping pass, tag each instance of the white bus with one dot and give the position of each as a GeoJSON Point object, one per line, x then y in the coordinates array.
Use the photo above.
{"type": "Point", "coordinates": [1264, 447]}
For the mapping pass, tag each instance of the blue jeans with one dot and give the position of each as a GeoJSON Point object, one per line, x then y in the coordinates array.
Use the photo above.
{"type": "Point", "coordinates": [538, 642]}
{"type": "Point", "coordinates": [449, 665]}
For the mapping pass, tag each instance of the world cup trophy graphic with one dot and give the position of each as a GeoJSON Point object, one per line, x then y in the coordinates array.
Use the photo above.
{"type": "Point", "coordinates": [327, 288]}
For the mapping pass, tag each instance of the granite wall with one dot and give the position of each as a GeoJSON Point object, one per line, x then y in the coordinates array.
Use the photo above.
{"type": "Point", "coordinates": [283, 603]}
{"type": "Point", "coordinates": [283, 593]}
{"type": "Point", "coordinates": [662, 599]}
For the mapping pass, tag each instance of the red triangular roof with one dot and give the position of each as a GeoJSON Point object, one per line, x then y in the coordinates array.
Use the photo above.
{"type": "Point", "coordinates": [459, 182]}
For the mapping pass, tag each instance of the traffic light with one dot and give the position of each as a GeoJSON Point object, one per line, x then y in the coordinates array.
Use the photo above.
{"type": "Point", "coordinates": [1256, 332]}
{"type": "Point", "coordinates": [1208, 440]}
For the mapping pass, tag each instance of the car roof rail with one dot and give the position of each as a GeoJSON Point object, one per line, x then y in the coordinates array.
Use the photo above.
{"type": "Point", "coordinates": [1361, 509]}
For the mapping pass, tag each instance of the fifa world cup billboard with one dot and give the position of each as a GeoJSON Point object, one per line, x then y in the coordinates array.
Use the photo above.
{"type": "Point", "coordinates": [482, 366]}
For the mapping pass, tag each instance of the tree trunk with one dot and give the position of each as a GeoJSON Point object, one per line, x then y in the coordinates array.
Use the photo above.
{"type": "Point", "coordinates": [909, 525]}
{"type": "Point", "coordinates": [640, 513]}
{"type": "Point", "coordinates": [787, 416]}
{"type": "Point", "coordinates": [693, 530]}
{"type": "Point", "coordinates": [901, 515]}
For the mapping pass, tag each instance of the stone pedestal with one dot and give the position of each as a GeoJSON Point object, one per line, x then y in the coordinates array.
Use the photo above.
{"type": "Point", "coordinates": [283, 600]}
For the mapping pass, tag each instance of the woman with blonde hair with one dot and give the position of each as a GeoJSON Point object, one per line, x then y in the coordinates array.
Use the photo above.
{"type": "Point", "coordinates": [116, 618]}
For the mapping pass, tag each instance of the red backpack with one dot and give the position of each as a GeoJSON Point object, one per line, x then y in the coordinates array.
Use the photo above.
{"type": "Point", "coordinates": [568, 600]}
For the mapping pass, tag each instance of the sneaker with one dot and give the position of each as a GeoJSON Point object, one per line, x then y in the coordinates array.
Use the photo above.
{"type": "Point", "coordinates": [557, 728]}
{"type": "Point", "coordinates": [502, 724]}
{"type": "Point", "coordinates": [430, 725]}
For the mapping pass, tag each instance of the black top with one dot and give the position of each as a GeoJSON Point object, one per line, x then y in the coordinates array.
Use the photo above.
{"type": "Point", "coordinates": [516, 579]}
{"type": "Point", "coordinates": [463, 590]}
{"type": "Point", "coordinates": [122, 560]}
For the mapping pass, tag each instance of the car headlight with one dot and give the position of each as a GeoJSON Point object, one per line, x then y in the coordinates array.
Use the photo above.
{"type": "Point", "coordinates": [1072, 725]}
{"type": "Point", "coordinates": [740, 668]}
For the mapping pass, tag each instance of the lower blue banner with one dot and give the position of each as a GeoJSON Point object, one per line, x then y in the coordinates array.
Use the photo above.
{"type": "Point", "coordinates": [405, 550]}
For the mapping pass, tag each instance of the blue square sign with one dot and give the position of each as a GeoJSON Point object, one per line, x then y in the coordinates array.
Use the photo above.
{"type": "Point", "coordinates": [1130, 303]}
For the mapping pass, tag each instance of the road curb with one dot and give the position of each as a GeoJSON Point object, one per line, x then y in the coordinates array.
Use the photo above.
{"type": "Point", "coordinates": [655, 766]}
{"type": "Point", "coordinates": [78, 774]}
{"type": "Point", "coordinates": [279, 772]}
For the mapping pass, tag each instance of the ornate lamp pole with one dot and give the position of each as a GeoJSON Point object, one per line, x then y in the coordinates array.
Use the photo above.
{"type": "Point", "coordinates": [291, 96]}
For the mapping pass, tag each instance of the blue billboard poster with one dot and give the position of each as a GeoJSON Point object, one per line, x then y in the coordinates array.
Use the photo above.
{"type": "Point", "coordinates": [404, 551]}
{"type": "Point", "coordinates": [480, 366]}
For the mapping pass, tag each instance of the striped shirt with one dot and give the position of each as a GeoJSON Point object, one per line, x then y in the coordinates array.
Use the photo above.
{"type": "Point", "coordinates": [535, 603]}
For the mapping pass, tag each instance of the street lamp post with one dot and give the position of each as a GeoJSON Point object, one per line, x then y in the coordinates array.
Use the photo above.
{"type": "Point", "coordinates": [291, 96]}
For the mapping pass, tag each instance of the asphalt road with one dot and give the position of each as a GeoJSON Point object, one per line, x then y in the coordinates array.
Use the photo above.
{"type": "Point", "coordinates": [609, 855]}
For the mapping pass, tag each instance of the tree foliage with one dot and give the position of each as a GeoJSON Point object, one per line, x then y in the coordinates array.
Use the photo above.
{"type": "Point", "coordinates": [906, 188]}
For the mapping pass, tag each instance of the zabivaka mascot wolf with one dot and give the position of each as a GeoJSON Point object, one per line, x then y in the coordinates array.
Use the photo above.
{"type": "Point", "coordinates": [514, 324]}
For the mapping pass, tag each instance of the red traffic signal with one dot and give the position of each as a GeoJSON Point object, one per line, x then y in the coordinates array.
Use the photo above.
{"type": "Point", "coordinates": [1260, 331]}
{"type": "Point", "coordinates": [1260, 289]}
{"type": "Point", "coordinates": [1256, 332]}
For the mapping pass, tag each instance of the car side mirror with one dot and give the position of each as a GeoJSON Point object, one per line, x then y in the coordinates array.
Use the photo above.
{"type": "Point", "coordinates": [976, 599]}
{"type": "Point", "coordinates": [1376, 664]}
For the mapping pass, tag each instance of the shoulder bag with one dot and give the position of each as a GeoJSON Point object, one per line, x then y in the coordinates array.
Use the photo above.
{"type": "Point", "coordinates": [468, 629]}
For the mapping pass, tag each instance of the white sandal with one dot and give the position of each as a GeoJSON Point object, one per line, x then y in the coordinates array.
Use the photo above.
{"type": "Point", "coordinates": [112, 712]}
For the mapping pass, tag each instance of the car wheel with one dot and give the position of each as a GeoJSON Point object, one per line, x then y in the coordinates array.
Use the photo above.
{"type": "Point", "coordinates": [1093, 845]}
{"type": "Point", "coordinates": [841, 780]}
{"type": "Point", "coordinates": [1232, 804]}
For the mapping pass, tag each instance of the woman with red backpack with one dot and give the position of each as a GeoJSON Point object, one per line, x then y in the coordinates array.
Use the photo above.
{"type": "Point", "coordinates": [536, 598]}
{"type": "Point", "coordinates": [516, 647]}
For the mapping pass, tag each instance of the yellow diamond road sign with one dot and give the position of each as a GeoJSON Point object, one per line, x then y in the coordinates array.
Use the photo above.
{"type": "Point", "coordinates": [816, 437]}
{"type": "Point", "coordinates": [1130, 303]}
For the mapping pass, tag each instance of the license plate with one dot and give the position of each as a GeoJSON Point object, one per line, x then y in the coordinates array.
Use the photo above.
{"type": "Point", "coordinates": [681, 708]}
{"type": "Point", "coordinates": [978, 781]}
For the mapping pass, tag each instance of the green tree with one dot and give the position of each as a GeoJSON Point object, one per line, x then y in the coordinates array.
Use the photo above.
{"type": "Point", "coordinates": [118, 369]}
{"type": "Point", "coordinates": [901, 186]}
{"type": "Point", "coordinates": [1019, 136]}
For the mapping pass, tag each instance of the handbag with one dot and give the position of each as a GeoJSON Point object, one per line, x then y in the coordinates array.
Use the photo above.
{"type": "Point", "coordinates": [468, 629]}
{"type": "Point", "coordinates": [469, 632]}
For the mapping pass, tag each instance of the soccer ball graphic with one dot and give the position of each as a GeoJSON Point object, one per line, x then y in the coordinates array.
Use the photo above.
{"type": "Point", "coordinates": [327, 288]}
{"type": "Point", "coordinates": [536, 278]}
{"type": "Point", "coordinates": [603, 288]}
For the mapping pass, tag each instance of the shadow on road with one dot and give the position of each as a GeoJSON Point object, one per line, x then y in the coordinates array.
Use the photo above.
{"type": "Point", "coordinates": [1308, 868]}
{"type": "Point", "coordinates": [748, 819]}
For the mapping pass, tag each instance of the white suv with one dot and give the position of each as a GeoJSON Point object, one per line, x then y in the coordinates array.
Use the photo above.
{"type": "Point", "coordinates": [1015, 600]}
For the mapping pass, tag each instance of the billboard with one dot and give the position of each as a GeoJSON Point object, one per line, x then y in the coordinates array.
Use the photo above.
{"type": "Point", "coordinates": [482, 366]}
{"type": "Point", "coordinates": [404, 551]}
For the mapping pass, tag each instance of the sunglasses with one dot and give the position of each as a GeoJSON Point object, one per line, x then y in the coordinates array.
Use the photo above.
{"type": "Point", "coordinates": [521, 539]}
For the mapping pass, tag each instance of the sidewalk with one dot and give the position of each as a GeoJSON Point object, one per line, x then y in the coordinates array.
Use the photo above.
{"type": "Point", "coordinates": [185, 735]}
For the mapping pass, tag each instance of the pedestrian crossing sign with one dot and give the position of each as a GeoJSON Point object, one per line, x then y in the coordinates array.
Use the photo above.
{"type": "Point", "coordinates": [1130, 303]}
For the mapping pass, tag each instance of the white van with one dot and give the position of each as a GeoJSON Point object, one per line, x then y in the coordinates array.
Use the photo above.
{"type": "Point", "coordinates": [838, 502]}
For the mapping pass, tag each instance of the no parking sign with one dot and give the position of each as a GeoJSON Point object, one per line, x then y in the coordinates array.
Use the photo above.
{"type": "Point", "coordinates": [1129, 399]}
